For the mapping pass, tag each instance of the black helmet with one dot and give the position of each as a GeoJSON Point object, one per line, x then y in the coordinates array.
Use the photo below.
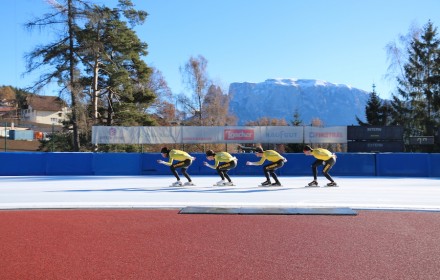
{"type": "Point", "coordinates": [307, 148]}
{"type": "Point", "coordinates": [164, 150]}
{"type": "Point", "coordinates": [210, 153]}
{"type": "Point", "coordinates": [258, 150]}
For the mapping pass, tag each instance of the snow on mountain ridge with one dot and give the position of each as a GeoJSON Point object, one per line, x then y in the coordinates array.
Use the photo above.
{"type": "Point", "coordinates": [334, 104]}
{"type": "Point", "coordinates": [302, 82]}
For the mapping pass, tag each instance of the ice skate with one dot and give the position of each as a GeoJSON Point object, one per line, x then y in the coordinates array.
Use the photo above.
{"type": "Point", "coordinates": [220, 183]}
{"type": "Point", "coordinates": [176, 184]}
{"type": "Point", "coordinates": [265, 184]}
{"type": "Point", "coordinates": [276, 184]}
{"type": "Point", "coordinates": [228, 184]}
{"type": "Point", "coordinates": [332, 184]}
{"type": "Point", "coordinates": [313, 183]}
{"type": "Point", "coordinates": [189, 184]}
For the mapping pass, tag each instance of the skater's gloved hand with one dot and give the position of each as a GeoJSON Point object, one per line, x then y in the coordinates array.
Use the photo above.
{"type": "Point", "coordinates": [249, 163]}
{"type": "Point", "coordinates": [205, 163]}
{"type": "Point", "coordinates": [284, 160]}
{"type": "Point", "coordinates": [161, 161]}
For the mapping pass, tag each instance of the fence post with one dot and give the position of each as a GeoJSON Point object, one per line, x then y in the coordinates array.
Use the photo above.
{"type": "Point", "coordinates": [5, 134]}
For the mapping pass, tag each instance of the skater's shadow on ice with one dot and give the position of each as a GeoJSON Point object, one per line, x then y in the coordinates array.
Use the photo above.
{"type": "Point", "coordinates": [177, 190]}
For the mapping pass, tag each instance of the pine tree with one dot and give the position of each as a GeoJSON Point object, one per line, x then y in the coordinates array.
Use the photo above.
{"type": "Point", "coordinates": [60, 56]}
{"type": "Point", "coordinates": [97, 59]}
{"type": "Point", "coordinates": [295, 147]}
{"type": "Point", "coordinates": [375, 111]}
{"type": "Point", "coordinates": [417, 104]}
{"type": "Point", "coordinates": [118, 78]}
{"type": "Point", "coordinates": [297, 121]}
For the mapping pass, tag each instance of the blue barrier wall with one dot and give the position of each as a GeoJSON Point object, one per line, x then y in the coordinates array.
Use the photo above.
{"type": "Point", "coordinates": [434, 164]}
{"type": "Point", "coordinates": [68, 163]}
{"type": "Point", "coordinates": [117, 163]}
{"type": "Point", "coordinates": [347, 164]}
{"type": "Point", "coordinates": [400, 164]}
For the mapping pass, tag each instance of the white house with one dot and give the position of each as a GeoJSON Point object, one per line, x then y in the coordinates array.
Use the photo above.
{"type": "Point", "coordinates": [44, 110]}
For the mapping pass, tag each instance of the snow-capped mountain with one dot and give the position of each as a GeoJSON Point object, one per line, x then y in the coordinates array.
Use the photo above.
{"type": "Point", "coordinates": [334, 104]}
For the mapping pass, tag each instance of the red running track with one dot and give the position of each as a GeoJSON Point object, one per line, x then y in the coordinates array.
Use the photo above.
{"type": "Point", "coordinates": [162, 244]}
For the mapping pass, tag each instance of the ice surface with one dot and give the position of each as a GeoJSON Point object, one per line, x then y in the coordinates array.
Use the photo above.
{"type": "Point", "coordinates": [27, 192]}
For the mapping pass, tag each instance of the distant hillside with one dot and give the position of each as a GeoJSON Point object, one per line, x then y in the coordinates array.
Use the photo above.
{"type": "Point", "coordinates": [334, 104]}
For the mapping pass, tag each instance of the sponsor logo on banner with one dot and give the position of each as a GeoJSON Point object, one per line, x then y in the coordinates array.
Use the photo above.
{"type": "Point", "coordinates": [112, 132]}
{"type": "Point", "coordinates": [281, 134]}
{"type": "Point", "coordinates": [239, 134]}
{"type": "Point", "coordinates": [315, 134]}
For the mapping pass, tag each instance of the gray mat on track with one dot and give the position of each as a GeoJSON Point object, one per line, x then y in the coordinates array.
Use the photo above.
{"type": "Point", "coordinates": [268, 211]}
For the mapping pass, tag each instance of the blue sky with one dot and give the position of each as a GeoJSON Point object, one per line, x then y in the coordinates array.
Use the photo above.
{"type": "Point", "coordinates": [339, 41]}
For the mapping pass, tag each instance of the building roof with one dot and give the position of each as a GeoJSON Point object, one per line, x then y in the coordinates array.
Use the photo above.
{"type": "Point", "coordinates": [45, 103]}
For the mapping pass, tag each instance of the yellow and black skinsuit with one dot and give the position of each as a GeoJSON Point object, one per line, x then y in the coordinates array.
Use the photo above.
{"type": "Point", "coordinates": [184, 161]}
{"type": "Point", "coordinates": [277, 161]}
{"type": "Point", "coordinates": [325, 157]}
{"type": "Point", "coordinates": [223, 163]}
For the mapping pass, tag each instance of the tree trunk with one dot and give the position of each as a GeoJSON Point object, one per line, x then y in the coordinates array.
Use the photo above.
{"type": "Point", "coordinates": [95, 92]}
{"type": "Point", "coordinates": [73, 84]}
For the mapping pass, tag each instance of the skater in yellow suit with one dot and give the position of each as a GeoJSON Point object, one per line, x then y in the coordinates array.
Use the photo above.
{"type": "Point", "coordinates": [184, 161]}
{"type": "Point", "coordinates": [223, 162]}
{"type": "Point", "coordinates": [276, 161]}
{"type": "Point", "coordinates": [322, 156]}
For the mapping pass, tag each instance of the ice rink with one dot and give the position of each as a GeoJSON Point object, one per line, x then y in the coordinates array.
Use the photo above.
{"type": "Point", "coordinates": [91, 192]}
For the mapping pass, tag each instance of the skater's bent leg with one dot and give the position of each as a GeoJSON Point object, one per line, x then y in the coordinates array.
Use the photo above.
{"type": "Point", "coordinates": [220, 173]}
{"type": "Point", "coordinates": [328, 177]}
{"type": "Point", "coordinates": [173, 170]}
{"type": "Point", "coordinates": [183, 165]}
{"type": "Point", "coordinates": [326, 169]}
{"type": "Point", "coordinates": [224, 168]}
{"type": "Point", "coordinates": [185, 174]}
{"type": "Point", "coordinates": [274, 176]}
{"type": "Point", "coordinates": [274, 166]}
{"type": "Point", "coordinates": [315, 173]}
{"type": "Point", "coordinates": [225, 173]}
{"type": "Point", "coordinates": [315, 168]}
{"type": "Point", "coordinates": [266, 174]}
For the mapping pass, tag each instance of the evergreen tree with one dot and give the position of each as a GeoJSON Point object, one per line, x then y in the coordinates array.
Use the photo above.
{"type": "Point", "coordinates": [98, 56]}
{"type": "Point", "coordinates": [297, 121]}
{"type": "Point", "coordinates": [375, 111]}
{"type": "Point", "coordinates": [295, 147]}
{"type": "Point", "coordinates": [119, 80]}
{"type": "Point", "coordinates": [417, 104]}
{"type": "Point", "coordinates": [60, 56]}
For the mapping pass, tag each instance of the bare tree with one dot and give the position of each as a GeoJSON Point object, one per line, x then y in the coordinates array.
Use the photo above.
{"type": "Point", "coordinates": [397, 53]}
{"type": "Point", "coordinates": [265, 121]}
{"type": "Point", "coordinates": [195, 77]}
{"type": "Point", "coordinates": [216, 108]}
{"type": "Point", "coordinates": [163, 108]}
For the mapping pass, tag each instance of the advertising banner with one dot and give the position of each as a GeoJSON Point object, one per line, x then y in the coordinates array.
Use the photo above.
{"type": "Point", "coordinates": [160, 134]}
{"type": "Point", "coordinates": [240, 134]}
{"type": "Point", "coordinates": [115, 135]}
{"type": "Point", "coordinates": [283, 134]}
{"type": "Point", "coordinates": [217, 134]}
{"type": "Point", "coordinates": [201, 134]}
{"type": "Point", "coordinates": [333, 134]}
